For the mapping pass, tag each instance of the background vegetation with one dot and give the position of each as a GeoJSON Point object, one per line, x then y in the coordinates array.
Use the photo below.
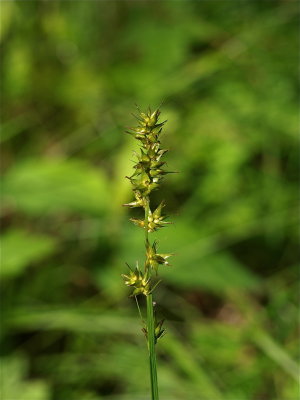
{"type": "Point", "coordinates": [71, 73]}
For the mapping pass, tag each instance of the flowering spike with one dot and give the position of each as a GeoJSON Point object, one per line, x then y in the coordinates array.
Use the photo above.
{"type": "Point", "coordinates": [148, 173]}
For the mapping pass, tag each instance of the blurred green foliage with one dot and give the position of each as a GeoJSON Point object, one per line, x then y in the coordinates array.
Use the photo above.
{"type": "Point", "coordinates": [71, 73]}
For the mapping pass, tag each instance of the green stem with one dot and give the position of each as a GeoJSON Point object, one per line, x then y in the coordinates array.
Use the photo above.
{"type": "Point", "coordinates": [147, 272]}
{"type": "Point", "coordinates": [150, 327]}
{"type": "Point", "coordinates": [151, 348]}
{"type": "Point", "coordinates": [146, 217]}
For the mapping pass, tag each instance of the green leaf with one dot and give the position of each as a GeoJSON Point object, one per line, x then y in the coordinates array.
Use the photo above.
{"type": "Point", "coordinates": [20, 249]}
{"type": "Point", "coordinates": [72, 320]}
{"type": "Point", "coordinates": [41, 186]}
{"type": "Point", "coordinates": [14, 387]}
{"type": "Point", "coordinates": [266, 343]}
{"type": "Point", "coordinates": [217, 272]}
{"type": "Point", "coordinates": [186, 361]}
{"type": "Point", "coordinates": [7, 10]}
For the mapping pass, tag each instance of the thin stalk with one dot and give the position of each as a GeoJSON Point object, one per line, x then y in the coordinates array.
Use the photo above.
{"type": "Point", "coordinates": [151, 348]}
{"type": "Point", "coordinates": [146, 218]}
{"type": "Point", "coordinates": [150, 327]}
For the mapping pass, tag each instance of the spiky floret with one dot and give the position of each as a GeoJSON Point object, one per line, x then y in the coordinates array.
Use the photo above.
{"type": "Point", "coordinates": [155, 259]}
{"type": "Point", "coordinates": [148, 128]}
{"type": "Point", "coordinates": [139, 281]}
{"type": "Point", "coordinates": [138, 202]}
{"type": "Point", "coordinates": [155, 219]}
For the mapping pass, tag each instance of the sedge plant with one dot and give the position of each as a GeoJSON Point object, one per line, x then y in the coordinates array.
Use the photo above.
{"type": "Point", "coordinates": [148, 173]}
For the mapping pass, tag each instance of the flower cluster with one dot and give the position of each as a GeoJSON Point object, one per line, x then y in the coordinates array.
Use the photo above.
{"type": "Point", "coordinates": [137, 279]}
{"type": "Point", "coordinates": [148, 173]}
{"type": "Point", "coordinates": [155, 219]}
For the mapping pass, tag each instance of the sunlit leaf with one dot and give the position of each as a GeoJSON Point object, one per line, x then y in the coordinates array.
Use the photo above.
{"type": "Point", "coordinates": [42, 186]}
{"type": "Point", "coordinates": [21, 249]}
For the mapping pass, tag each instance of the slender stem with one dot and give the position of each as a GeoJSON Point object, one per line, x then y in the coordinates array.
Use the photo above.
{"type": "Point", "coordinates": [146, 217]}
{"type": "Point", "coordinates": [146, 231]}
{"type": "Point", "coordinates": [150, 326]}
{"type": "Point", "coordinates": [151, 348]}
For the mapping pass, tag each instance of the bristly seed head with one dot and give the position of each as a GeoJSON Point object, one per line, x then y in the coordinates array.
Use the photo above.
{"type": "Point", "coordinates": [147, 176]}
